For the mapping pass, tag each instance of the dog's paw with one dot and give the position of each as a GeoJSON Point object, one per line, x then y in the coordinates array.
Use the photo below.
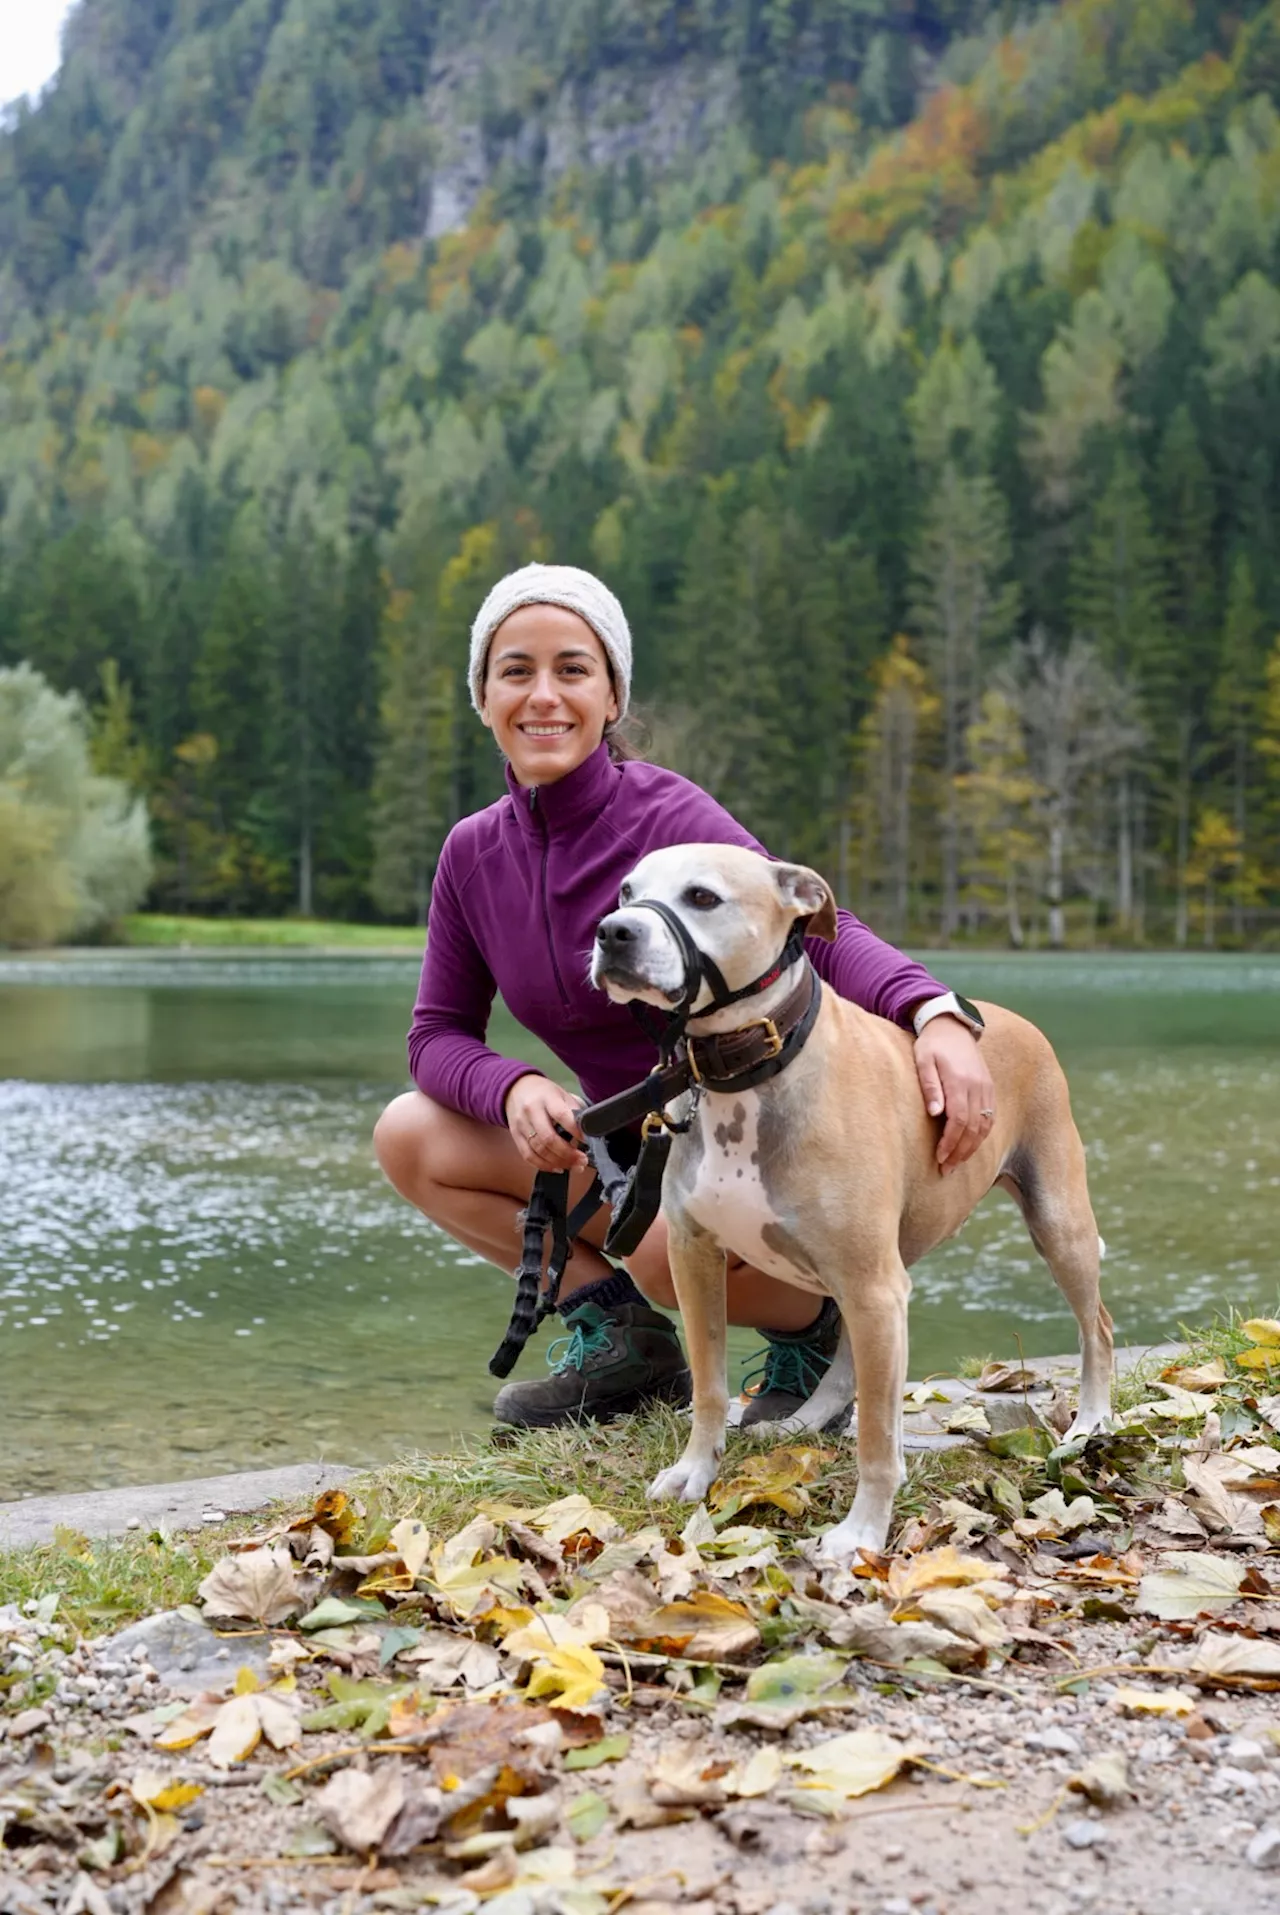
{"type": "Point", "coordinates": [1088, 1426]}
{"type": "Point", "coordinates": [685, 1482]}
{"type": "Point", "coordinates": [839, 1547]}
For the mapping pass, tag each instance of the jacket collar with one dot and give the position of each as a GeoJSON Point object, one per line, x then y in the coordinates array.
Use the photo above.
{"type": "Point", "coordinates": [571, 801]}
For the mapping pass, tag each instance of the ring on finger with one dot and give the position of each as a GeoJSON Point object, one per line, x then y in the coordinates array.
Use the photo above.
{"type": "Point", "coordinates": [986, 1113]}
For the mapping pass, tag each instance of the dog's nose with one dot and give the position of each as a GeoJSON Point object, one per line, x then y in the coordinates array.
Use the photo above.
{"type": "Point", "coordinates": [613, 933]}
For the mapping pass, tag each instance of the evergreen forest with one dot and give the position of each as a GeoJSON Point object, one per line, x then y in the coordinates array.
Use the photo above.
{"type": "Point", "coordinates": [910, 368]}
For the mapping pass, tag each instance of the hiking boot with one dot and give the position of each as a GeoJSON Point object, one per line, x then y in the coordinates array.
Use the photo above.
{"type": "Point", "coordinates": [611, 1359]}
{"type": "Point", "coordinates": [792, 1366]}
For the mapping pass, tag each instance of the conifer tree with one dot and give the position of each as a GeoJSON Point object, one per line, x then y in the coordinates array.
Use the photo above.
{"type": "Point", "coordinates": [1235, 706]}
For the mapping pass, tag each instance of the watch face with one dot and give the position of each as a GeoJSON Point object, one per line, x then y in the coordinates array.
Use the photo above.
{"type": "Point", "coordinates": [971, 1010]}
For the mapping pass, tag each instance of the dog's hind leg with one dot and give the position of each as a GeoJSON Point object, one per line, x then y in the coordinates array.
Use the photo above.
{"type": "Point", "coordinates": [697, 1269]}
{"type": "Point", "coordinates": [1059, 1217]}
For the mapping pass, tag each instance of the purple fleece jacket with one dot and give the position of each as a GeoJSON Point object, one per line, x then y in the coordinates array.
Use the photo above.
{"type": "Point", "coordinates": [518, 893]}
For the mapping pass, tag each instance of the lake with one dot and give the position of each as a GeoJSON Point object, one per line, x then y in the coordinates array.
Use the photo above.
{"type": "Point", "coordinates": [203, 1269]}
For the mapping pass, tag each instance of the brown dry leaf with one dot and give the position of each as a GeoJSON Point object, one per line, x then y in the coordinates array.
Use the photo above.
{"type": "Point", "coordinates": [868, 1629]}
{"type": "Point", "coordinates": [386, 1809]}
{"type": "Point", "coordinates": [936, 1569]}
{"type": "Point", "coordinates": [412, 1542]}
{"type": "Point", "coordinates": [234, 1727]}
{"type": "Point", "coordinates": [1224, 1658]}
{"type": "Point", "coordinates": [236, 1733]}
{"type": "Point", "coordinates": [1200, 1376]}
{"type": "Point", "coordinates": [707, 1628]}
{"type": "Point", "coordinates": [853, 1764]}
{"type": "Point", "coordinates": [693, 1775]}
{"type": "Point", "coordinates": [1007, 1376]}
{"type": "Point", "coordinates": [472, 1736]}
{"type": "Point", "coordinates": [776, 1476]}
{"type": "Point", "coordinates": [1254, 1469]}
{"type": "Point", "coordinates": [1222, 1511]}
{"type": "Point", "coordinates": [335, 1513]}
{"type": "Point", "coordinates": [965, 1613]}
{"type": "Point", "coordinates": [261, 1585]}
{"type": "Point", "coordinates": [635, 1808]}
{"type": "Point", "coordinates": [196, 1720]}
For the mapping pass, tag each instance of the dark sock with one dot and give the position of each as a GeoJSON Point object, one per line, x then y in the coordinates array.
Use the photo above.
{"type": "Point", "coordinates": [608, 1292]}
{"type": "Point", "coordinates": [819, 1323]}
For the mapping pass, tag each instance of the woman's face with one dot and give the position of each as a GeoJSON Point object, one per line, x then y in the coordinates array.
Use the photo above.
{"type": "Point", "coordinates": [547, 692]}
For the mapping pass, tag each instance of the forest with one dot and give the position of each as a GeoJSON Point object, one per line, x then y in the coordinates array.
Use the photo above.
{"type": "Point", "coordinates": [911, 371]}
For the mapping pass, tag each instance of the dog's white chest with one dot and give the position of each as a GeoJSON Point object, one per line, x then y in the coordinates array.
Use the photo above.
{"type": "Point", "coordinates": [728, 1196]}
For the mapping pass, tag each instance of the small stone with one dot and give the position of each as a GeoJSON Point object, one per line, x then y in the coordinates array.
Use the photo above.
{"type": "Point", "coordinates": [1264, 1850]}
{"type": "Point", "coordinates": [1053, 1741]}
{"type": "Point", "coordinates": [134, 1522]}
{"type": "Point", "coordinates": [1084, 1835]}
{"type": "Point", "coordinates": [28, 1723]}
{"type": "Point", "coordinates": [896, 1905]}
{"type": "Point", "coordinates": [213, 1516]}
{"type": "Point", "coordinates": [1242, 1752]}
{"type": "Point", "coordinates": [894, 1854]}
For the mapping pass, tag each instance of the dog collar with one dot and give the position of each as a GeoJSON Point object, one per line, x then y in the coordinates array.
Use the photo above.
{"type": "Point", "coordinates": [725, 1061]}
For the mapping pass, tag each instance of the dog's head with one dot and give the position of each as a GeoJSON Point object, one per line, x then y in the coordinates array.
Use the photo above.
{"type": "Point", "coordinates": [736, 906]}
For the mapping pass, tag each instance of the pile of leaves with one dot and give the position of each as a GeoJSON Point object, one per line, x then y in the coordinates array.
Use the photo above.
{"type": "Point", "coordinates": [471, 1699]}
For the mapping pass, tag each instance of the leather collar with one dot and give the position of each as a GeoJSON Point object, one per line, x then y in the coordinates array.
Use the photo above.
{"type": "Point", "coordinates": [731, 1061]}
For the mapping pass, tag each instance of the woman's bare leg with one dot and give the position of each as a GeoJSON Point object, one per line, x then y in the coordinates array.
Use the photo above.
{"type": "Point", "coordinates": [470, 1179]}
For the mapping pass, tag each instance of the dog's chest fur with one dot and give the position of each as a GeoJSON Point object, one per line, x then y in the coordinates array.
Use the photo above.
{"type": "Point", "coordinates": [728, 1195]}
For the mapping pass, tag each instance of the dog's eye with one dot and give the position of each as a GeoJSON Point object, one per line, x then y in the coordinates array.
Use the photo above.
{"type": "Point", "coordinates": [624, 896]}
{"type": "Point", "coordinates": [701, 899]}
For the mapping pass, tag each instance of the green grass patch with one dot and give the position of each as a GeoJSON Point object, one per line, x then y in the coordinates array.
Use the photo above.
{"type": "Point", "coordinates": [103, 1585]}
{"type": "Point", "coordinates": [151, 930]}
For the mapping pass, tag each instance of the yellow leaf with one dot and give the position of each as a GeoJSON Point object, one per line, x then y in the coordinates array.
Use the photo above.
{"type": "Point", "coordinates": [546, 1631]}
{"type": "Point", "coordinates": [1263, 1330]}
{"type": "Point", "coordinates": [1264, 1359]}
{"type": "Point", "coordinates": [571, 1675]}
{"type": "Point", "coordinates": [413, 1540]}
{"type": "Point", "coordinates": [852, 1764]}
{"type": "Point", "coordinates": [176, 1796]}
{"type": "Point", "coordinates": [1153, 1702]}
{"type": "Point", "coordinates": [236, 1733]}
{"type": "Point", "coordinates": [777, 1476]}
{"type": "Point", "coordinates": [197, 1719]}
{"type": "Point", "coordinates": [247, 1683]}
{"type": "Point", "coordinates": [707, 1627]}
{"type": "Point", "coordinates": [935, 1569]}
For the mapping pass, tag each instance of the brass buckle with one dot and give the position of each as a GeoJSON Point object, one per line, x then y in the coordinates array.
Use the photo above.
{"type": "Point", "coordinates": [767, 1025]}
{"type": "Point", "coordinates": [654, 1121]}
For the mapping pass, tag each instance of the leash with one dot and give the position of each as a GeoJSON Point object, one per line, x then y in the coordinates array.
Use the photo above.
{"type": "Point", "coordinates": [729, 1061]}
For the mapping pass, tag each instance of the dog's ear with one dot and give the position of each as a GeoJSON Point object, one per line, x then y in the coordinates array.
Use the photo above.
{"type": "Point", "coordinates": [810, 896]}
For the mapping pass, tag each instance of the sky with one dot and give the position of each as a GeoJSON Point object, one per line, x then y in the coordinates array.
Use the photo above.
{"type": "Point", "coordinates": [29, 51]}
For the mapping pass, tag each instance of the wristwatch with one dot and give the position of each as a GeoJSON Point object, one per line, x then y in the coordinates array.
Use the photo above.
{"type": "Point", "coordinates": [950, 1004]}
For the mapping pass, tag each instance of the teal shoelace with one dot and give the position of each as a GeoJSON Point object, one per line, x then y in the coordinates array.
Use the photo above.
{"type": "Point", "coordinates": [577, 1347]}
{"type": "Point", "coordinates": [796, 1368]}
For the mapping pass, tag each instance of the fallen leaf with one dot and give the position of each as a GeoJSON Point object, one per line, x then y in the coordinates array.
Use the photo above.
{"type": "Point", "coordinates": [965, 1416]}
{"type": "Point", "coordinates": [965, 1613]}
{"type": "Point", "coordinates": [776, 1476]}
{"type": "Point", "coordinates": [587, 1815]}
{"type": "Point", "coordinates": [792, 1678]}
{"type": "Point", "coordinates": [707, 1628]}
{"type": "Point", "coordinates": [572, 1674]}
{"type": "Point", "coordinates": [1265, 1330]}
{"type": "Point", "coordinates": [1200, 1376]}
{"type": "Point", "coordinates": [853, 1764]}
{"type": "Point", "coordinates": [868, 1629]}
{"type": "Point", "coordinates": [1189, 1585]}
{"type": "Point", "coordinates": [964, 1521]}
{"type": "Point", "coordinates": [696, 1777]}
{"type": "Point", "coordinates": [442, 1661]}
{"type": "Point", "coordinates": [259, 1586]}
{"type": "Point", "coordinates": [385, 1809]}
{"type": "Point", "coordinates": [236, 1733]}
{"type": "Point", "coordinates": [587, 1623]}
{"type": "Point", "coordinates": [1173, 1703]}
{"type": "Point", "coordinates": [1104, 1779]}
{"type": "Point", "coordinates": [334, 1611]}
{"type": "Point", "coordinates": [412, 1540]}
{"type": "Point", "coordinates": [610, 1748]}
{"type": "Point", "coordinates": [1224, 1658]}
{"type": "Point", "coordinates": [937, 1568]}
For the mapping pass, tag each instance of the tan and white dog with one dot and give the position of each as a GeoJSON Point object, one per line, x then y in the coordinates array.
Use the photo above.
{"type": "Point", "coordinates": [825, 1175]}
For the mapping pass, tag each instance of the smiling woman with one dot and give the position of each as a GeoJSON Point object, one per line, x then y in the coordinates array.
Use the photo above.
{"type": "Point", "coordinates": [519, 891]}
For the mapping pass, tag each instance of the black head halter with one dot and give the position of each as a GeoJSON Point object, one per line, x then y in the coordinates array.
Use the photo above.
{"type": "Point", "coordinates": [700, 969]}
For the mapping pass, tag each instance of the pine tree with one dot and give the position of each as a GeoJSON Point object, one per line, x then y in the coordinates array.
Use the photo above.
{"type": "Point", "coordinates": [1235, 706]}
{"type": "Point", "coordinates": [893, 748]}
{"type": "Point", "coordinates": [962, 605]}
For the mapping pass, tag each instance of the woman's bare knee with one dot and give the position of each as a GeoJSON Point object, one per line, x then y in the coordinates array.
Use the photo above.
{"type": "Point", "coordinates": [651, 1273]}
{"type": "Point", "coordinates": [400, 1136]}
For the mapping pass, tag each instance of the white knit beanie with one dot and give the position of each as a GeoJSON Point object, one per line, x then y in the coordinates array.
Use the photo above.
{"type": "Point", "coordinates": [576, 591]}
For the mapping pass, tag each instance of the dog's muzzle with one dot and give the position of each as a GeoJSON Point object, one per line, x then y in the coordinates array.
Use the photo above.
{"type": "Point", "coordinates": [625, 956]}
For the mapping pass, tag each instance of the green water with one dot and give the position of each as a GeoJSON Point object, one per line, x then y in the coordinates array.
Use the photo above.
{"type": "Point", "coordinates": [202, 1269]}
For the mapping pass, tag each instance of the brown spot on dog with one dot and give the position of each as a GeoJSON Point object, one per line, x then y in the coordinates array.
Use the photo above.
{"type": "Point", "coordinates": [733, 1133]}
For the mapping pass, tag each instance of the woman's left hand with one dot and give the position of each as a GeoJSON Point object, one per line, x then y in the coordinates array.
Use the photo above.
{"type": "Point", "coordinates": [955, 1081]}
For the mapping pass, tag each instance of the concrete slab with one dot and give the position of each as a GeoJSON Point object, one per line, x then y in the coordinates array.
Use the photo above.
{"type": "Point", "coordinates": [172, 1506]}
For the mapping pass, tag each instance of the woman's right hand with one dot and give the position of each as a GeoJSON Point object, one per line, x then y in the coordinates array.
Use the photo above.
{"type": "Point", "coordinates": [533, 1108]}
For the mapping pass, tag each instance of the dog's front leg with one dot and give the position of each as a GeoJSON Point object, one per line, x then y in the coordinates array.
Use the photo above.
{"type": "Point", "coordinates": [697, 1269]}
{"type": "Point", "coordinates": [876, 1319]}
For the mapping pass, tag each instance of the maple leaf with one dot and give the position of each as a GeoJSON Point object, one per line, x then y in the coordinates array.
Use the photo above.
{"type": "Point", "coordinates": [571, 1674]}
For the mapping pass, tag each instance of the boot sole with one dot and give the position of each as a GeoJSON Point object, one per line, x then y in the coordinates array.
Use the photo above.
{"type": "Point", "coordinates": [677, 1390]}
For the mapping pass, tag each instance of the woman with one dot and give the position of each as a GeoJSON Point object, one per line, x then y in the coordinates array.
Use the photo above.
{"type": "Point", "coordinates": [518, 892]}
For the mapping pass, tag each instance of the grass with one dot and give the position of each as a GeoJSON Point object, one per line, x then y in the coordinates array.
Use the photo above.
{"type": "Point", "coordinates": [103, 1585]}
{"type": "Point", "coordinates": [151, 930]}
